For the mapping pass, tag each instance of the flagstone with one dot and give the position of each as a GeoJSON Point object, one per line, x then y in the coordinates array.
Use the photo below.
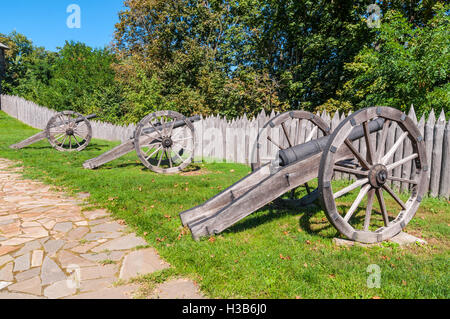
{"type": "Point", "coordinates": [82, 223]}
{"type": "Point", "coordinates": [96, 284]}
{"type": "Point", "coordinates": [60, 289]}
{"type": "Point", "coordinates": [51, 272]}
{"type": "Point", "coordinates": [32, 245]}
{"type": "Point", "coordinates": [4, 249]}
{"type": "Point", "coordinates": [22, 263]}
{"type": "Point", "coordinates": [35, 232]}
{"type": "Point", "coordinates": [108, 227]}
{"type": "Point", "coordinates": [30, 286]}
{"type": "Point", "coordinates": [77, 233]}
{"type": "Point", "coordinates": [11, 229]}
{"type": "Point", "coordinates": [49, 225]}
{"type": "Point", "coordinates": [82, 249]}
{"type": "Point", "coordinates": [99, 221]}
{"type": "Point", "coordinates": [98, 272]}
{"type": "Point", "coordinates": [31, 224]}
{"type": "Point", "coordinates": [15, 296]}
{"type": "Point", "coordinates": [121, 292]}
{"type": "Point", "coordinates": [4, 284]}
{"type": "Point", "coordinates": [33, 272]}
{"type": "Point", "coordinates": [5, 259]}
{"type": "Point", "coordinates": [6, 273]}
{"type": "Point", "coordinates": [121, 243]}
{"type": "Point", "coordinates": [141, 262]}
{"type": "Point", "coordinates": [112, 255]}
{"type": "Point", "coordinates": [7, 222]}
{"type": "Point", "coordinates": [67, 259]}
{"type": "Point", "coordinates": [95, 214]}
{"type": "Point", "coordinates": [48, 233]}
{"type": "Point", "coordinates": [17, 241]}
{"type": "Point", "coordinates": [37, 258]}
{"type": "Point", "coordinates": [52, 246]}
{"type": "Point", "coordinates": [63, 227]}
{"type": "Point", "coordinates": [71, 244]}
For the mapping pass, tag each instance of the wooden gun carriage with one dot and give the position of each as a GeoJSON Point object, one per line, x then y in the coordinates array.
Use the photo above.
{"type": "Point", "coordinates": [66, 131]}
{"type": "Point", "coordinates": [324, 158]}
{"type": "Point", "coordinates": [164, 142]}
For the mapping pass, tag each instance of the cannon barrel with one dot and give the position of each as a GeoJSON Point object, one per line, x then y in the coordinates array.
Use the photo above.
{"type": "Point", "coordinates": [306, 150]}
{"type": "Point", "coordinates": [177, 124]}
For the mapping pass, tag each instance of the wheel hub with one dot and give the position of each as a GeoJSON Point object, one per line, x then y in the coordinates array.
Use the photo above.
{"type": "Point", "coordinates": [167, 142]}
{"type": "Point", "coordinates": [70, 132]}
{"type": "Point", "coordinates": [378, 175]}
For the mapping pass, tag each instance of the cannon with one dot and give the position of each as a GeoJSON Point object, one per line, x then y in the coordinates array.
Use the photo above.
{"type": "Point", "coordinates": [322, 158]}
{"type": "Point", "coordinates": [164, 142]}
{"type": "Point", "coordinates": [66, 131]}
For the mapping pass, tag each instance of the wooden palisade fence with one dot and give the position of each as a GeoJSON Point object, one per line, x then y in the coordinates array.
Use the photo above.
{"type": "Point", "coordinates": [233, 141]}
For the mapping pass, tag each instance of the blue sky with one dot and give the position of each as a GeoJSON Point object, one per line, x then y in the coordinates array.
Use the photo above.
{"type": "Point", "coordinates": [44, 21]}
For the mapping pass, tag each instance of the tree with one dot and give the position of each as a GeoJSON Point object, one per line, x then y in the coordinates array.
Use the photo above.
{"type": "Point", "coordinates": [409, 65]}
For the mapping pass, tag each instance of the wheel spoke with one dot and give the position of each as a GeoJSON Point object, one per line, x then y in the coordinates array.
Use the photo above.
{"type": "Point", "coordinates": [64, 141]}
{"type": "Point", "coordinates": [384, 212]}
{"type": "Point", "coordinates": [178, 155]}
{"type": "Point", "coordinates": [370, 197]}
{"type": "Point", "coordinates": [357, 201]}
{"type": "Point", "coordinates": [403, 180]}
{"type": "Point", "coordinates": [76, 141]}
{"type": "Point", "coordinates": [171, 127]}
{"type": "Point", "coordinates": [370, 153]}
{"type": "Point", "coordinates": [353, 186]}
{"type": "Point", "coordinates": [169, 158]}
{"type": "Point", "coordinates": [157, 150]}
{"type": "Point", "coordinates": [276, 144]}
{"type": "Point", "coordinates": [394, 196]}
{"type": "Point", "coordinates": [283, 125]}
{"type": "Point", "coordinates": [160, 159]}
{"type": "Point", "coordinates": [163, 124]}
{"type": "Point", "coordinates": [150, 148]}
{"type": "Point", "coordinates": [382, 144]}
{"type": "Point", "coordinates": [177, 133]}
{"type": "Point", "coordinates": [351, 171]}
{"type": "Point", "coordinates": [184, 139]}
{"type": "Point", "coordinates": [394, 148]}
{"type": "Point", "coordinates": [358, 156]}
{"type": "Point", "coordinates": [59, 136]}
{"type": "Point", "coordinates": [156, 130]}
{"type": "Point", "coordinates": [402, 161]}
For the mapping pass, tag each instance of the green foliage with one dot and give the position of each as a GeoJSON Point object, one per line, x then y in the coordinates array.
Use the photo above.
{"type": "Point", "coordinates": [234, 57]}
{"type": "Point", "coordinates": [407, 65]}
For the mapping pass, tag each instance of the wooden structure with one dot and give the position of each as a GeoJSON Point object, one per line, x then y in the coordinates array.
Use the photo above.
{"type": "Point", "coordinates": [3, 48]}
{"type": "Point", "coordinates": [66, 131]}
{"type": "Point", "coordinates": [164, 142]}
{"type": "Point", "coordinates": [214, 143]}
{"type": "Point", "coordinates": [326, 158]}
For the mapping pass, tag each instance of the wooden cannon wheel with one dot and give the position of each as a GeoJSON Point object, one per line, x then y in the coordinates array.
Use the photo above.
{"type": "Point", "coordinates": [388, 215]}
{"type": "Point", "coordinates": [290, 141]}
{"type": "Point", "coordinates": [69, 131]}
{"type": "Point", "coordinates": [161, 147]}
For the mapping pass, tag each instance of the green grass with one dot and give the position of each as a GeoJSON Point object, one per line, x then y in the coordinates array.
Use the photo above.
{"type": "Point", "coordinates": [277, 252]}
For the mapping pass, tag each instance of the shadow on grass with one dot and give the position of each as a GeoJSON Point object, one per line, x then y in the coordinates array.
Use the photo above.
{"type": "Point", "coordinates": [279, 209]}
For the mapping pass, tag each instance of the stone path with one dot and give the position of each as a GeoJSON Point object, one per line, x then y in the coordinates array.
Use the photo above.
{"type": "Point", "coordinates": [49, 248]}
